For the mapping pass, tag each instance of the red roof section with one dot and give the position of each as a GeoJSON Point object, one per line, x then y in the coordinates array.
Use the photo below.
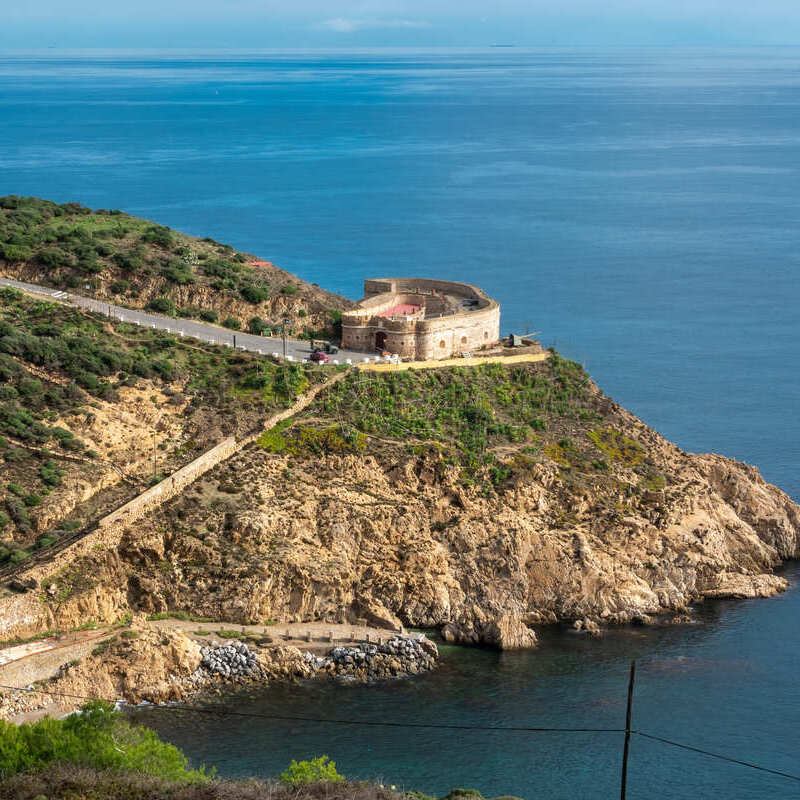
{"type": "Point", "coordinates": [400, 310]}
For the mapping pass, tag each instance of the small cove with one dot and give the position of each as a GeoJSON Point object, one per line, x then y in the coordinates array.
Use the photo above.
{"type": "Point", "coordinates": [717, 684]}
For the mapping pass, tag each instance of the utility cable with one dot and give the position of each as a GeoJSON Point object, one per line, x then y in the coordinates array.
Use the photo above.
{"type": "Point", "coordinates": [430, 725]}
{"type": "Point", "coordinates": [716, 755]}
{"type": "Point", "coordinates": [320, 720]}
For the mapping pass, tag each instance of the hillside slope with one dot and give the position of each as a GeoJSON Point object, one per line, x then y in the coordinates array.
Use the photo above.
{"type": "Point", "coordinates": [91, 410]}
{"type": "Point", "coordinates": [141, 264]}
{"type": "Point", "coordinates": [481, 501]}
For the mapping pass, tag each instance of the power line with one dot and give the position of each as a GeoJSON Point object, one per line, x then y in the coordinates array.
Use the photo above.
{"type": "Point", "coordinates": [328, 721]}
{"type": "Point", "coordinates": [716, 755]}
{"type": "Point", "coordinates": [429, 725]}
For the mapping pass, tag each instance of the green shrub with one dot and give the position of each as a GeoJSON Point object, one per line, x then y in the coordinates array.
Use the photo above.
{"type": "Point", "coordinates": [17, 556]}
{"type": "Point", "coordinates": [120, 287]}
{"type": "Point", "coordinates": [290, 288]}
{"type": "Point", "coordinates": [4, 520]}
{"type": "Point", "coordinates": [221, 268]}
{"type": "Point", "coordinates": [15, 254]}
{"type": "Point", "coordinates": [98, 737]}
{"type": "Point", "coordinates": [232, 322]}
{"type": "Point", "coordinates": [257, 326]}
{"type": "Point", "coordinates": [32, 499]}
{"type": "Point", "coordinates": [177, 271]}
{"type": "Point", "coordinates": [132, 261]}
{"type": "Point", "coordinates": [209, 315]}
{"type": "Point", "coordinates": [16, 489]}
{"type": "Point", "coordinates": [254, 294]}
{"type": "Point", "coordinates": [317, 770]}
{"type": "Point", "coordinates": [160, 235]}
{"type": "Point", "coordinates": [54, 257]}
{"type": "Point", "coordinates": [163, 305]}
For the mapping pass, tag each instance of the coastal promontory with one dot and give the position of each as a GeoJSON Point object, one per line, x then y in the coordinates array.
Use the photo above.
{"type": "Point", "coordinates": [481, 501]}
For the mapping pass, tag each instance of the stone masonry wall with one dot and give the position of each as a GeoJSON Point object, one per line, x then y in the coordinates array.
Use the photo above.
{"type": "Point", "coordinates": [420, 339]}
{"type": "Point", "coordinates": [21, 613]}
{"type": "Point", "coordinates": [178, 481]}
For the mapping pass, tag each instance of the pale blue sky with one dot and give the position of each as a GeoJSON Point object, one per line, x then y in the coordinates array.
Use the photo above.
{"type": "Point", "coordinates": [370, 23]}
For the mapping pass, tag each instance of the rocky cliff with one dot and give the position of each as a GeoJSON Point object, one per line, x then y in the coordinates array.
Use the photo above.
{"type": "Point", "coordinates": [514, 498]}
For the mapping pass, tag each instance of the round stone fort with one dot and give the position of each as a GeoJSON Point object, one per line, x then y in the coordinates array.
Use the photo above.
{"type": "Point", "coordinates": [421, 319]}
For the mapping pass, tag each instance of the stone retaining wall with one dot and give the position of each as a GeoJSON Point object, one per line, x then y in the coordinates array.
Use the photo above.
{"type": "Point", "coordinates": [522, 358]}
{"type": "Point", "coordinates": [178, 481]}
{"type": "Point", "coordinates": [21, 614]}
{"type": "Point", "coordinates": [175, 483]}
{"type": "Point", "coordinates": [45, 665]}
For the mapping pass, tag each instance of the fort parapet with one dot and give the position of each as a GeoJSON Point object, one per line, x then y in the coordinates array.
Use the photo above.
{"type": "Point", "coordinates": [421, 318]}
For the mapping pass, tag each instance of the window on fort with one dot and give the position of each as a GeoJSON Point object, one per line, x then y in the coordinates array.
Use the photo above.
{"type": "Point", "coordinates": [442, 343]}
{"type": "Point", "coordinates": [463, 340]}
{"type": "Point", "coordinates": [486, 334]}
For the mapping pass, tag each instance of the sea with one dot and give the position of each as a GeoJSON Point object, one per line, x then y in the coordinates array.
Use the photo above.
{"type": "Point", "coordinates": [639, 209]}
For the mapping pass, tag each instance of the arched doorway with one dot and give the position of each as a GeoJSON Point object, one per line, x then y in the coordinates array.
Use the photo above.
{"type": "Point", "coordinates": [380, 340]}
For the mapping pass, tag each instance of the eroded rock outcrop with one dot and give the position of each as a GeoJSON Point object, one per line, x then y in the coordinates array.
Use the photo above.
{"type": "Point", "coordinates": [627, 529]}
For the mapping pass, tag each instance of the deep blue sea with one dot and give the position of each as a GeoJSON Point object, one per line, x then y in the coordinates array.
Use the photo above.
{"type": "Point", "coordinates": [639, 208]}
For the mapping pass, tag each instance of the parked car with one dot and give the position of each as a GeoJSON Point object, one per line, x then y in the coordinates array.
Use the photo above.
{"type": "Point", "coordinates": [319, 357]}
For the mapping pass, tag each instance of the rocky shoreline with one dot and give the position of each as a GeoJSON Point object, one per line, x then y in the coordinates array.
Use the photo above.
{"type": "Point", "coordinates": [159, 668]}
{"type": "Point", "coordinates": [235, 662]}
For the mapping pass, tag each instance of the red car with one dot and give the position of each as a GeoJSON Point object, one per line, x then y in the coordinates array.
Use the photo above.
{"type": "Point", "coordinates": [319, 357]}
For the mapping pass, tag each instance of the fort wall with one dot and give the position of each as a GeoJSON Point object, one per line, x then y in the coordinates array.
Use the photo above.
{"type": "Point", "coordinates": [437, 331]}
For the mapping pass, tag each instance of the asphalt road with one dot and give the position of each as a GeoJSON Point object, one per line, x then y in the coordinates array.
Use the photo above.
{"type": "Point", "coordinates": [296, 349]}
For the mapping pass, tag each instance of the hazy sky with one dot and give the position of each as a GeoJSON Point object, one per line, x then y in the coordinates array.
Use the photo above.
{"type": "Point", "coordinates": [368, 23]}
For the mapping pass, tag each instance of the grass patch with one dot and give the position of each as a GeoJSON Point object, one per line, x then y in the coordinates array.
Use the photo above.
{"type": "Point", "coordinates": [228, 633]}
{"type": "Point", "coordinates": [310, 441]}
{"type": "Point", "coordinates": [617, 447]}
{"type": "Point", "coordinates": [181, 615]}
{"type": "Point", "coordinates": [466, 413]}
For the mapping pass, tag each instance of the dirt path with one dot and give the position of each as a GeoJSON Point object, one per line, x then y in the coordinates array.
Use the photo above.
{"type": "Point", "coordinates": [314, 636]}
{"type": "Point", "coordinates": [57, 642]}
{"type": "Point", "coordinates": [39, 659]}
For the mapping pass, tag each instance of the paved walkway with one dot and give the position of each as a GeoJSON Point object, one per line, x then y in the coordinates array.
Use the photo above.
{"type": "Point", "coordinates": [314, 636]}
{"type": "Point", "coordinates": [296, 349]}
{"type": "Point", "coordinates": [17, 651]}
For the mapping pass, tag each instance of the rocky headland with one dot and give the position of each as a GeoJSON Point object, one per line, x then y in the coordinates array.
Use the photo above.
{"type": "Point", "coordinates": [484, 502]}
{"type": "Point", "coordinates": [142, 665]}
{"type": "Point", "coordinates": [604, 523]}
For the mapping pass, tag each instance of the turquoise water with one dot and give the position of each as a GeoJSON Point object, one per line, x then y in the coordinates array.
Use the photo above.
{"type": "Point", "coordinates": [639, 208]}
{"type": "Point", "coordinates": [723, 684]}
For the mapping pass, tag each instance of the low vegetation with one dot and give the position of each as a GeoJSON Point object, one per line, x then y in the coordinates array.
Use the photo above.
{"type": "Point", "coordinates": [493, 423]}
{"type": "Point", "coordinates": [97, 737]}
{"type": "Point", "coordinates": [58, 364]}
{"type": "Point", "coordinates": [138, 263]}
{"type": "Point", "coordinates": [97, 754]}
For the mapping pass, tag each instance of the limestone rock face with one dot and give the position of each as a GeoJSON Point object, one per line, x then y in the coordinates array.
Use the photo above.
{"type": "Point", "coordinates": [149, 667]}
{"type": "Point", "coordinates": [395, 537]}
